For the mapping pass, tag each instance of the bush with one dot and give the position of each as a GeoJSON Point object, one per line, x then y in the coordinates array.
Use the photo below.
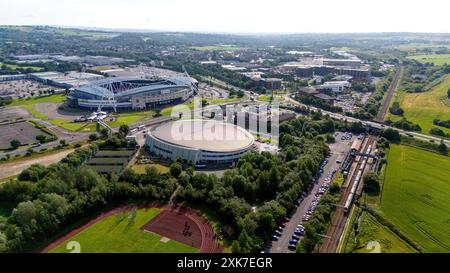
{"type": "Point", "coordinates": [371, 183]}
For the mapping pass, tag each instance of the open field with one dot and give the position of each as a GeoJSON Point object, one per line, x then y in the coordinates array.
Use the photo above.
{"type": "Point", "coordinates": [423, 108]}
{"type": "Point", "coordinates": [410, 47]}
{"type": "Point", "coordinates": [120, 233]}
{"type": "Point", "coordinates": [267, 98]}
{"type": "Point", "coordinates": [14, 67]}
{"type": "Point", "coordinates": [58, 98]}
{"type": "Point", "coordinates": [436, 59]}
{"type": "Point", "coordinates": [372, 230]}
{"type": "Point", "coordinates": [415, 196]}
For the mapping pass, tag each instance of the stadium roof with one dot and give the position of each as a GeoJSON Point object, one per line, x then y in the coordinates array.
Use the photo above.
{"type": "Point", "coordinates": [98, 87]}
{"type": "Point", "coordinates": [206, 135]}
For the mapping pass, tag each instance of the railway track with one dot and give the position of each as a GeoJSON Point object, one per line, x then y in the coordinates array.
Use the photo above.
{"type": "Point", "coordinates": [340, 216]}
{"type": "Point", "coordinates": [391, 91]}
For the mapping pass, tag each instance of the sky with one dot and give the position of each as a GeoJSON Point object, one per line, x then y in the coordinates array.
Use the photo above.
{"type": "Point", "coordinates": [234, 16]}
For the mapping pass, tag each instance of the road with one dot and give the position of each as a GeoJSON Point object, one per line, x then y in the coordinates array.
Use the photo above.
{"type": "Point", "coordinates": [340, 216]}
{"type": "Point", "coordinates": [390, 94]}
{"type": "Point", "coordinates": [338, 151]}
{"type": "Point", "coordinates": [371, 124]}
{"type": "Point", "coordinates": [15, 167]}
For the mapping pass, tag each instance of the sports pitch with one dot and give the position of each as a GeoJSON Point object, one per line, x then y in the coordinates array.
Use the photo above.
{"type": "Point", "coordinates": [121, 233]}
{"type": "Point", "coordinates": [415, 196]}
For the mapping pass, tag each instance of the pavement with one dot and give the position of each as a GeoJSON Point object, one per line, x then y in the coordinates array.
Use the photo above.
{"type": "Point", "coordinates": [338, 151]}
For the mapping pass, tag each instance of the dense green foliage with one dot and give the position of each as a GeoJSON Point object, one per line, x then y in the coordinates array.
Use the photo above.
{"type": "Point", "coordinates": [50, 198]}
{"type": "Point", "coordinates": [395, 109]}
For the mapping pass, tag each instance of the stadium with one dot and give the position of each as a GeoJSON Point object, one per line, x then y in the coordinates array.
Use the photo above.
{"type": "Point", "coordinates": [131, 92]}
{"type": "Point", "coordinates": [199, 141]}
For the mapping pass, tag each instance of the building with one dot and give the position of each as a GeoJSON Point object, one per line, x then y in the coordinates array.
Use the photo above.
{"type": "Point", "coordinates": [359, 74]}
{"type": "Point", "coordinates": [199, 141]}
{"type": "Point", "coordinates": [131, 92]}
{"type": "Point", "coordinates": [342, 62]}
{"type": "Point", "coordinates": [65, 80]}
{"type": "Point", "coordinates": [272, 83]}
{"type": "Point", "coordinates": [17, 77]}
{"type": "Point", "coordinates": [335, 86]}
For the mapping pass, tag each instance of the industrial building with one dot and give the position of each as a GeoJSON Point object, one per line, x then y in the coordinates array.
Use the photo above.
{"type": "Point", "coordinates": [334, 86]}
{"type": "Point", "coordinates": [65, 80]}
{"type": "Point", "coordinates": [131, 92]}
{"type": "Point", "coordinates": [358, 74]}
{"type": "Point", "coordinates": [199, 141]}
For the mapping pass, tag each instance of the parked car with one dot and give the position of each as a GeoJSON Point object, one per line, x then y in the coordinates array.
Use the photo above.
{"type": "Point", "coordinates": [292, 247]}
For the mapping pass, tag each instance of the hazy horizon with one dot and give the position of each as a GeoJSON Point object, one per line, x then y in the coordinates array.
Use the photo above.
{"type": "Point", "coordinates": [234, 16]}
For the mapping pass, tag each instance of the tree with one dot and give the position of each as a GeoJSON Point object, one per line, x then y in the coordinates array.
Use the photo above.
{"type": "Point", "coordinates": [62, 142]}
{"type": "Point", "coordinates": [396, 109]}
{"type": "Point", "coordinates": [104, 132]}
{"type": "Point", "coordinates": [15, 143]}
{"type": "Point", "coordinates": [124, 130]}
{"type": "Point", "coordinates": [371, 183]}
{"type": "Point", "coordinates": [443, 148]}
{"type": "Point", "coordinates": [41, 138]}
{"type": "Point", "coordinates": [93, 137]}
{"type": "Point", "coordinates": [448, 93]}
{"type": "Point", "coordinates": [391, 134]}
{"type": "Point", "coordinates": [175, 169]}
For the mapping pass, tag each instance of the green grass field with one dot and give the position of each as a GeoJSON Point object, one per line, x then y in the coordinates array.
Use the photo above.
{"type": "Point", "coordinates": [141, 168]}
{"type": "Point", "coordinates": [120, 118]}
{"type": "Point", "coordinates": [15, 67]}
{"type": "Point", "coordinates": [267, 98]}
{"type": "Point", "coordinates": [58, 98]}
{"type": "Point", "coordinates": [423, 108]}
{"type": "Point", "coordinates": [120, 234]}
{"type": "Point", "coordinates": [436, 59]}
{"type": "Point", "coordinates": [415, 196]}
{"type": "Point", "coordinates": [372, 230]}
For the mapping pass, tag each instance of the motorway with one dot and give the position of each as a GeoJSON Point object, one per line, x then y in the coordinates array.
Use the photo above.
{"type": "Point", "coordinates": [371, 124]}
{"type": "Point", "coordinates": [338, 151]}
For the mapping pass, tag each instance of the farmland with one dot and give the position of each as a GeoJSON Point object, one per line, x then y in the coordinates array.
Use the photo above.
{"type": "Point", "coordinates": [415, 196]}
{"type": "Point", "coordinates": [423, 108]}
{"type": "Point", "coordinates": [121, 233]}
{"type": "Point", "coordinates": [436, 59]}
{"type": "Point", "coordinates": [372, 230]}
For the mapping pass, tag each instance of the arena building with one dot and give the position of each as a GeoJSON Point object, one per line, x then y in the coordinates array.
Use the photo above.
{"type": "Point", "coordinates": [131, 92]}
{"type": "Point", "coordinates": [199, 141]}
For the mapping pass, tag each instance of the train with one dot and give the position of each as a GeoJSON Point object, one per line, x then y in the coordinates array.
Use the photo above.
{"type": "Point", "coordinates": [349, 201]}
